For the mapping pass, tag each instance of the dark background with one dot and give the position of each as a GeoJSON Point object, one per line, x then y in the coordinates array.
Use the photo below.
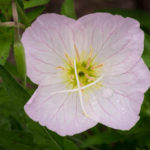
{"type": "Point", "coordinates": [83, 7]}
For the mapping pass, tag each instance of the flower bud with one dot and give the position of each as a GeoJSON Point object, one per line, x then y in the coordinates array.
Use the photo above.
{"type": "Point", "coordinates": [20, 60]}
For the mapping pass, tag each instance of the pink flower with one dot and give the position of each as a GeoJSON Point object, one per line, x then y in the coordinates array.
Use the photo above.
{"type": "Point", "coordinates": [88, 71]}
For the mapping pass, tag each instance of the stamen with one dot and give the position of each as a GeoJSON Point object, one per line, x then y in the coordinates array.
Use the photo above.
{"type": "Point", "coordinates": [79, 90]}
{"type": "Point", "coordinates": [97, 66]}
{"type": "Point", "coordinates": [77, 52]}
{"type": "Point", "coordinates": [72, 77]}
{"type": "Point", "coordinates": [89, 77]}
{"type": "Point", "coordinates": [91, 52]}
{"type": "Point", "coordinates": [89, 58]}
{"type": "Point", "coordinates": [69, 59]}
{"type": "Point", "coordinates": [61, 67]}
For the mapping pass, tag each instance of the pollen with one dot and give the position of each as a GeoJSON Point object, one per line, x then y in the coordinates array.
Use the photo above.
{"type": "Point", "coordinates": [88, 70]}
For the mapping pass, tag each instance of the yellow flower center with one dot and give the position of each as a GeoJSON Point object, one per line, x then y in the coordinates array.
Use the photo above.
{"type": "Point", "coordinates": [87, 69]}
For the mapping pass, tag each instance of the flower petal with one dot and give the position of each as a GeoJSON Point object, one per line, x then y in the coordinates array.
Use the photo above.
{"type": "Point", "coordinates": [117, 41]}
{"type": "Point", "coordinates": [61, 112]}
{"type": "Point", "coordinates": [117, 103]}
{"type": "Point", "coordinates": [115, 110]}
{"type": "Point", "coordinates": [45, 43]}
{"type": "Point", "coordinates": [135, 79]}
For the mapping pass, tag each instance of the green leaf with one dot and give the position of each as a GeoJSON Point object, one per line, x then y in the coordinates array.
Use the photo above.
{"type": "Point", "coordinates": [145, 111]}
{"type": "Point", "coordinates": [20, 60]}
{"type": "Point", "coordinates": [17, 136]}
{"type": "Point", "coordinates": [141, 16]}
{"type": "Point", "coordinates": [3, 94]}
{"type": "Point", "coordinates": [6, 10]}
{"type": "Point", "coordinates": [69, 145]}
{"type": "Point", "coordinates": [17, 140]}
{"type": "Point", "coordinates": [5, 2]}
{"type": "Point", "coordinates": [68, 9]}
{"type": "Point", "coordinates": [7, 107]}
{"type": "Point", "coordinates": [20, 2]}
{"type": "Point", "coordinates": [22, 16]}
{"type": "Point", "coordinates": [18, 97]}
{"type": "Point", "coordinates": [35, 13]}
{"type": "Point", "coordinates": [102, 138]}
{"type": "Point", "coordinates": [4, 121]}
{"type": "Point", "coordinates": [14, 90]}
{"type": "Point", "coordinates": [146, 53]}
{"type": "Point", "coordinates": [11, 68]}
{"type": "Point", "coordinates": [6, 38]}
{"type": "Point", "coordinates": [34, 3]}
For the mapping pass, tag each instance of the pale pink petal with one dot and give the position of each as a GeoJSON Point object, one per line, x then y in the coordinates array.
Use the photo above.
{"type": "Point", "coordinates": [45, 43]}
{"type": "Point", "coordinates": [61, 112]}
{"type": "Point", "coordinates": [117, 103]}
{"type": "Point", "coordinates": [114, 109]}
{"type": "Point", "coordinates": [117, 41]}
{"type": "Point", "coordinates": [135, 79]}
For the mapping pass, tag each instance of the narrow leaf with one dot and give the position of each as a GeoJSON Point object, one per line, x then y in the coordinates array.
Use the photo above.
{"type": "Point", "coordinates": [68, 9]}
{"type": "Point", "coordinates": [14, 90]}
{"type": "Point", "coordinates": [69, 145]}
{"type": "Point", "coordinates": [6, 37]}
{"type": "Point", "coordinates": [146, 53]}
{"type": "Point", "coordinates": [22, 15]}
{"type": "Point", "coordinates": [102, 138]}
{"type": "Point", "coordinates": [34, 3]}
{"type": "Point", "coordinates": [35, 13]}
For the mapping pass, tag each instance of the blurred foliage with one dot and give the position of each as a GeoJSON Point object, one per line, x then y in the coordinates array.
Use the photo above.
{"type": "Point", "coordinates": [5, 9]}
{"type": "Point", "coordinates": [18, 131]}
{"type": "Point", "coordinates": [146, 53]}
{"type": "Point", "coordinates": [34, 3]}
{"type": "Point", "coordinates": [6, 39]}
{"type": "Point", "coordinates": [34, 13]}
{"type": "Point", "coordinates": [68, 9]}
{"type": "Point", "coordinates": [141, 16]}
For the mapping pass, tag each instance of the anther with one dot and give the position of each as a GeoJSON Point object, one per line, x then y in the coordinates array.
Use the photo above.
{"type": "Point", "coordinates": [89, 77]}
{"type": "Point", "coordinates": [72, 77]}
{"type": "Point", "coordinates": [97, 66]}
{"type": "Point", "coordinates": [89, 58]}
{"type": "Point", "coordinates": [61, 67]}
{"type": "Point", "coordinates": [91, 52]}
{"type": "Point", "coordinates": [69, 59]}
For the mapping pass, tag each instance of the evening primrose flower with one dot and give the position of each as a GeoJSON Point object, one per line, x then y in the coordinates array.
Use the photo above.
{"type": "Point", "coordinates": [88, 71]}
